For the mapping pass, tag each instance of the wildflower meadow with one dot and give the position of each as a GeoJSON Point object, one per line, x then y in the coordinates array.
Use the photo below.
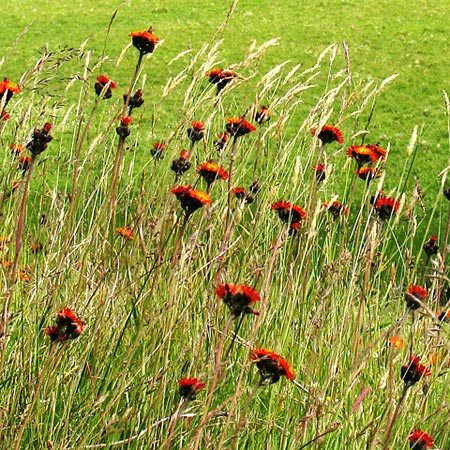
{"type": "Point", "coordinates": [207, 253]}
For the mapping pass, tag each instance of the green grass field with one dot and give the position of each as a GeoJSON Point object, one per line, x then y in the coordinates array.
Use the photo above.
{"type": "Point", "coordinates": [346, 299]}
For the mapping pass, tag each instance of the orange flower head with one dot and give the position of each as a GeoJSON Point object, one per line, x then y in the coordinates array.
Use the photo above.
{"type": "Point", "coordinates": [189, 387]}
{"type": "Point", "coordinates": [263, 115]}
{"type": "Point", "coordinates": [69, 324]}
{"type": "Point", "coordinates": [271, 366]}
{"type": "Point", "coordinates": [320, 172]}
{"type": "Point", "coordinates": [328, 134]}
{"type": "Point", "coordinates": [415, 296]}
{"type": "Point", "coordinates": [144, 41]}
{"type": "Point", "coordinates": [386, 207]}
{"type": "Point", "coordinates": [335, 208]}
{"type": "Point", "coordinates": [238, 126]}
{"type": "Point", "coordinates": [4, 116]}
{"type": "Point", "coordinates": [104, 82]}
{"type": "Point", "coordinates": [182, 164]}
{"type": "Point", "coordinates": [220, 77]}
{"type": "Point", "coordinates": [238, 298]}
{"type": "Point", "coordinates": [7, 89]}
{"type": "Point", "coordinates": [368, 173]}
{"type": "Point", "coordinates": [420, 440]}
{"type": "Point", "coordinates": [125, 120]}
{"type": "Point", "coordinates": [381, 152]}
{"type": "Point", "coordinates": [413, 372]}
{"type": "Point", "coordinates": [241, 194]}
{"type": "Point", "coordinates": [221, 142]}
{"type": "Point", "coordinates": [289, 213]}
{"type": "Point", "coordinates": [125, 232]}
{"type": "Point", "coordinates": [211, 172]}
{"type": "Point", "coordinates": [196, 133]}
{"type": "Point", "coordinates": [158, 149]}
{"type": "Point", "coordinates": [431, 247]}
{"type": "Point", "coordinates": [396, 342]}
{"type": "Point", "coordinates": [362, 154]}
{"type": "Point", "coordinates": [191, 199]}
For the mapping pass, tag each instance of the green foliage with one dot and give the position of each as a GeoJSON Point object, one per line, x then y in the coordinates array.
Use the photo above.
{"type": "Point", "coordinates": [332, 291]}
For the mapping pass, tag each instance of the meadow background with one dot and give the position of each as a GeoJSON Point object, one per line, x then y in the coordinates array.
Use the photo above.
{"type": "Point", "coordinates": [332, 294]}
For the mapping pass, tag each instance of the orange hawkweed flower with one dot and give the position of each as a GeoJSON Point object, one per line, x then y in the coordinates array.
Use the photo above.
{"type": "Point", "coordinates": [386, 207]}
{"type": "Point", "coordinates": [413, 372]}
{"type": "Point", "coordinates": [335, 208]}
{"type": "Point", "coordinates": [196, 133]}
{"type": "Point", "coordinates": [420, 440]}
{"type": "Point", "coordinates": [191, 199]}
{"type": "Point", "coordinates": [396, 342]}
{"type": "Point", "coordinates": [328, 134]}
{"type": "Point", "coordinates": [430, 247]}
{"type": "Point", "coordinates": [238, 126]}
{"type": "Point", "coordinates": [158, 149]}
{"type": "Point", "coordinates": [271, 366]}
{"type": "Point", "coordinates": [221, 142]}
{"type": "Point", "coordinates": [368, 173]}
{"type": "Point", "coordinates": [4, 116]}
{"type": "Point", "coordinates": [381, 152]}
{"type": "Point", "coordinates": [221, 77]}
{"type": "Point", "coordinates": [40, 139]}
{"type": "Point", "coordinates": [211, 171]}
{"type": "Point", "coordinates": [125, 232]}
{"type": "Point", "coordinates": [319, 170]}
{"type": "Point", "coordinates": [144, 41]}
{"type": "Point", "coordinates": [415, 296]}
{"type": "Point", "coordinates": [243, 195]}
{"type": "Point", "coordinates": [238, 298]}
{"type": "Point", "coordinates": [23, 276]}
{"type": "Point", "coordinates": [68, 326]}
{"type": "Point", "coordinates": [189, 387]}
{"type": "Point", "coordinates": [123, 130]}
{"type": "Point", "coordinates": [102, 81]}
{"type": "Point", "coordinates": [182, 164]}
{"type": "Point", "coordinates": [362, 154]}
{"type": "Point", "coordinates": [263, 115]}
{"type": "Point", "coordinates": [289, 213]}
{"type": "Point", "coordinates": [7, 89]}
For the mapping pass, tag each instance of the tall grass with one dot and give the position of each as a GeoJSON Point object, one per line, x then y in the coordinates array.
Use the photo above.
{"type": "Point", "coordinates": [333, 292]}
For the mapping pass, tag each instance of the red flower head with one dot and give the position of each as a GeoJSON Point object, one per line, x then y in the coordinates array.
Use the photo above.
{"type": "Point", "coordinates": [319, 170]}
{"type": "Point", "coordinates": [189, 387]}
{"type": "Point", "coordinates": [220, 77]}
{"type": "Point", "coordinates": [221, 142]}
{"type": "Point", "coordinates": [380, 152]}
{"type": "Point", "coordinates": [336, 209]}
{"type": "Point", "coordinates": [362, 154]}
{"type": "Point", "coordinates": [238, 126]}
{"type": "Point", "coordinates": [133, 102]}
{"type": "Point", "coordinates": [123, 130]}
{"type": "Point", "coordinates": [242, 195]}
{"type": "Point", "coordinates": [157, 150]}
{"type": "Point", "coordinates": [210, 171]}
{"type": "Point", "coordinates": [7, 89]}
{"type": "Point", "coordinates": [182, 164]}
{"type": "Point", "coordinates": [289, 213]}
{"type": "Point", "coordinates": [40, 139]}
{"type": "Point", "coordinates": [431, 247]}
{"type": "Point", "coordinates": [68, 326]}
{"type": "Point", "coordinates": [238, 298]}
{"type": "Point", "coordinates": [144, 41]}
{"type": "Point", "coordinates": [271, 366]}
{"type": "Point", "coordinates": [413, 372]}
{"type": "Point", "coordinates": [196, 133]}
{"type": "Point", "coordinates": [263, 115]}
{"type": "Point", "coordinates": [25, 163]}
{"type": "Point", "coordinates": [415, 296]}
{"type": "Point", "coordinates": [385, 207]}
{"type": "Point", "coordinates": [4, 116]}
{"type": "Point", "coordinates": [103, 82]}
{"type": "Point", "coordinates": [190, 199]}
{"type": "Point", "coordinates": [368, 173]}
{"type": "Point", "coordinates": [420, 440]}
{"type": "Point", "coordinates": [329, 134]}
